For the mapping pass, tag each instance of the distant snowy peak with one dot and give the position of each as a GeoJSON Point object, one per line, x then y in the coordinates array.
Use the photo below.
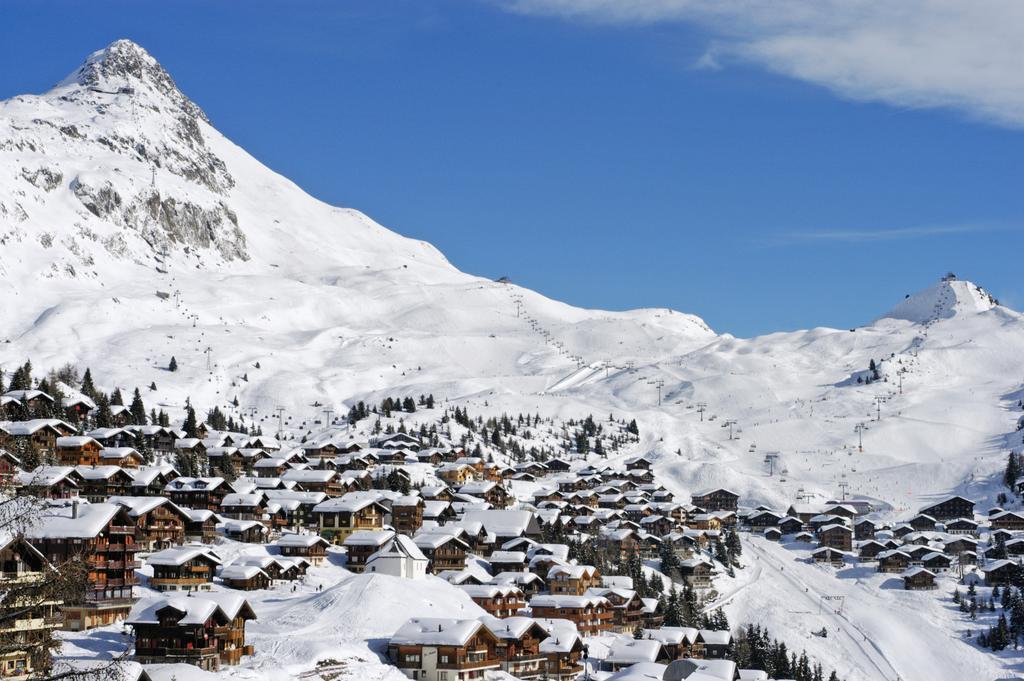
{"type": "Point", "coordinates": [124, 67]}
{"type": "Point", "coordinates": [948, 298]}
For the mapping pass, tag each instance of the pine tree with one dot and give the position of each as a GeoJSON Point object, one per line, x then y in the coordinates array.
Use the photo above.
{"type": "Point", "coordinates": [1012, 472]}
{"type": "Point", "coordinates": [190, 424]}
{"type": "Point", "coordinates": [172, 365]}
{"type": "Point", "coordinates": [88, 388]}
{"type": "Point", "coordinates": [137, 409]}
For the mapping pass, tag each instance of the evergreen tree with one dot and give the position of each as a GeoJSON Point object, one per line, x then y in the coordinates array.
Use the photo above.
{"type": "Point", "coordinates": [88, 388]}
{"type": "Point", "coordinates": [172, 365]}
{"type": "Point", "coordinates": [190, 425]}
{"type": "Point", "coordinates": [1012, 472]}
{"type": "Point", "coordinates": [137, 409]}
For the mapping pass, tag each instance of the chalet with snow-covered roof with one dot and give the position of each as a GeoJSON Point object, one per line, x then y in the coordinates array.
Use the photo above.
{"type": "Point", "coordinates": [102, 534]}
{"type": "Point", "coordinates": [497, 600]}
{"type": "Point", "coordinates": [626, 606]}
{"type": "Point", "coordinates": [697, 572]}
{"type": "Point", "coordinates": [444, 551]}
{"type": "Point", "coordinates": [1007, 520]}
{"type": "Point", "coordinates": [830, 555]}
{"type": "Point", "coordinates": [159, 522]}
{"type": "Point", "coordinates": [893, 560]}
{"type": "Point", "coordinates": [425, 648]}
{"type": "Point", "coordinates": [339, 517]}
{"type": "Point", "coordinates": [519, 640]}
{"type": "Point", "coordinates": [572, 580]}
{"type": "Point", "coordinates": [124, 457]}
{"type": "Point", "coordinates": [38, 436]}
{"type": "Point", "coordinates": [591, 614]}
{"type": "Point", "coordinates": [407, 514]}
{"type": "Point", "coordinates": [718, 499]}
{"type": "Point", "coordinates": [919, 579]}
{"type": "Point", "coordinates": [207, 631]}
{"type": "Point", "coordinates": [836, 536]}
{"type": "Point", "coordinates": [197, 493]}
{"type": "Point", "coordinates": [49, 482]}
{"type": "Point", "coordinates": [77, 450]}
{"type": "Point", "coordinates": [311, 547]}
{"type": "Point", "coordinates": [102, 482]}
{"type": "Point", "coordinates": [245, 577]}
{"type": "Point", "coordinates": [246, 531]}
{"type": "Point", "coordinates": [1000, 572]}
{"type": "Point", "coordinates": [563, 649]}
{"type": "Point", "coordinates": [23, 566]}
{"type": "Point", "coordinates": [183, 568]}
{"type": "Point", "coordinates": [361, 544]}
{"type": "Point", "coordinates": [950, 508]}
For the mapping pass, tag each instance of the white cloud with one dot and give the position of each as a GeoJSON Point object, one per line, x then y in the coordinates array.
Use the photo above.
{"type": "Point", "coordinates": [874, 235]}
{"type": "Point", "coordinates": [966, 55]}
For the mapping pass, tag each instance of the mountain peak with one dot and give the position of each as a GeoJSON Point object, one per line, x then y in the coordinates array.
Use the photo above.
{"type": "Point", "coordinates": [125, 68]}
{"type": "Point", "coordinates": [946, 299]}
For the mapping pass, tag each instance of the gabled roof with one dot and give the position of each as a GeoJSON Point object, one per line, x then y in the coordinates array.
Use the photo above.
{"type": "Point", "coordinates": [436, 631]}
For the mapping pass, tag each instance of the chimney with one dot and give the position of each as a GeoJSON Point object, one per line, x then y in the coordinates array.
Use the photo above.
{"type": "Point", "coordinates": [74, 508]}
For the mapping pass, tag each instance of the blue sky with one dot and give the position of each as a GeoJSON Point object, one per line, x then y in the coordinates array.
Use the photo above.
{"type": "Point", "coordinates": [607, 161]}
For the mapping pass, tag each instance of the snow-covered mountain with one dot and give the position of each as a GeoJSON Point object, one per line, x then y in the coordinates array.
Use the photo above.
{"type": "Point", "coordinates": [133, 231]}
{"type": "Point", "coordinates": [115, 187]}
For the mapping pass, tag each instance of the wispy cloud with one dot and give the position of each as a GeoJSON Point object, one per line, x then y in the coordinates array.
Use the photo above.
{"type": "Point", "coordinates": [874, 235]}
{"type": "Point", "coordinates": [959, 54]}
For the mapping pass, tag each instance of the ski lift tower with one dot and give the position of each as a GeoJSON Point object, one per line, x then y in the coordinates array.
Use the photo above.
{"type": "Point", "coordinates": [860, 428]}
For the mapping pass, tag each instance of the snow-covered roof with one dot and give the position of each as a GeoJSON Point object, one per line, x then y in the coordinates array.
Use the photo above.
{"type": "Point", "coordinates": [74, 520]}
{"type": "Point", "coordinates": [436, 631]}
{"type": "Point", "coordinates": [178, 555]}
{"type": "Point", "coordinates": [633, 651]}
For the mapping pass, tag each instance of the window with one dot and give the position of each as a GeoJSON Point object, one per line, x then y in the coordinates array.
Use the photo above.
{"type": "Point", "coordinates": [444, 659]}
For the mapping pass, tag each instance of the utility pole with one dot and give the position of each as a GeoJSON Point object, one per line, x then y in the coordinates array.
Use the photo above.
{"type": "Point", "coordinates": [280, 423]}
{"type": "Point", "coordinates": [329, 413]}
{"type": "Point", "coordinates": [660, 384]}
{"type": "Point", "coordinates": [701, 408]}
{"type": "Point", "coordinates": [860, 428]}
{"type": "Point", "coordinates": [878, 407]}
{"type": "Point", "coordinates": [208, 351]}
{"type": "Point", "coordinates": [770, 460]}
{"type": "Point", "coordinates": [730, 423]}
{"type": "Point", "coordinates": [843, 485]}
{"type": "Point", "coordinates": [899, 374]}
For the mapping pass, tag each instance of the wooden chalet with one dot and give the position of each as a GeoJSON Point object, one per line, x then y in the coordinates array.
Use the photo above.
{"type": "Point", "coordinates": [183, 568]}
{"type": "Point", "coordinates": [591, 614]}
{"type": "Point", "coordinates": [716, 500]}
{"type": "Point", "coordinates": [407, 514]}
{"type": "Point", "coordinates": [426, 648]}
{"type": "Point", "coordinates": [29, 615]}
{"type": "Point", "coordinates": [339, 517]}
{"type": "Point", "coordinates": [310, 547]}
{"type": "Point", "coordinates": [950, 508]}
{"type": "Point", "coordinates": [206, 631]}
{"type": "Point", "coordinates": [159, 522]}
{"type": "Point", "coordinates": [104, 536]}
{"type": "Point", "coordinates": [519, 640]}
{"type": "Point", "coordinates": [919, 579]}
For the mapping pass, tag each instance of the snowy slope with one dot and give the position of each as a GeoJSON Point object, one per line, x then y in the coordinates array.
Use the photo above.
{"type": "Point", "coordinates": [114, 187]}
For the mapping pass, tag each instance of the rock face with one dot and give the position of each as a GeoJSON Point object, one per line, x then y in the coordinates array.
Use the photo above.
{"type": "Point", "coordinates": [121, 140]}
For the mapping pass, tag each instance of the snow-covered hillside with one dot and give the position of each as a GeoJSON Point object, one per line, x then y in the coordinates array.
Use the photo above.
{"type": "Point", "coordinates": [114, 187]}
{"type": "Point", "coordinates": [132, 231]}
